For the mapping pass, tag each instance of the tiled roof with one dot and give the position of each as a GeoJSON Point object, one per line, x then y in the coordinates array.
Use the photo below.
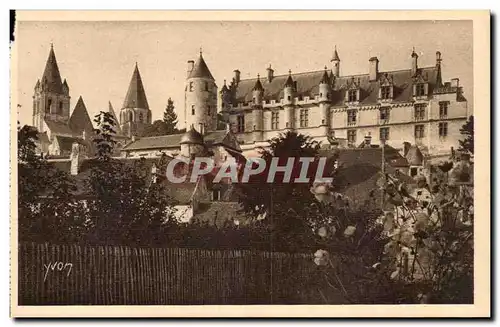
{"type": "Point", "coordinates": [57, 127]}
{"type": "Point", "coordinates": [80, 119]}
{"type": "Point", "coordinates": [200, 69]}
{"type": "Point", "coordinates": [136, 96]}
{"type": "Point", "coordinates": [308, 85]}
{"type": "Point", "coordinates": [51, 78]}
{"type": "Point", "coordinates": [155, 142]}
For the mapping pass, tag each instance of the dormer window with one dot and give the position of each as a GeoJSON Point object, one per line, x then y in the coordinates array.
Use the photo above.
{"type": "Point", "coordinates": [420, 89]}
{"type": "Point", "coordinates": [384, 114]}
{"type": "Point", "coordinates": [60, 108]}
{"type": "Point", "coordinates": [352, 95]}
{"type": "Point", "coordinates": [385, 92]}
{"type": "Point", "coordinates": [49, 105]}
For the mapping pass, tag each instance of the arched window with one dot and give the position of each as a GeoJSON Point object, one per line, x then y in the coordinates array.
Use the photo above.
{"type": "Point", "coordinates": [60, 111]}
{"type": "Point", "coordinates": [140, 117]}
{"type": "Point", "coordinates": [129, 116]}
{"type": "Point", "coordinates": [49, 104]}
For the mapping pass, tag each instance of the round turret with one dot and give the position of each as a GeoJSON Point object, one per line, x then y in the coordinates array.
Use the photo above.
{"type": "Point", "coordinates": [192, 143]}
{"type": "Point", "coordinates": [191, 137]}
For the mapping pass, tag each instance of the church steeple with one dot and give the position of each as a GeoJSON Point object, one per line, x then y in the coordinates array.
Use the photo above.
{"type": "Point", "coordinates": [136, 96]}
{"type": "Point", "coordinates": [135, 114]}
{"type": "Point", "coordinates": [51, 79]}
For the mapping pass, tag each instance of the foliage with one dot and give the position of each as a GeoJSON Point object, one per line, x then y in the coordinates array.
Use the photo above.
{"type": "Point", "coordinates": [259, 196]}
{"type": "Point", "coordinates": [467, 130]}
{"type": "Point", "coordinates": [47, 209]}
{"type": "Point", "coordinates": [170, 118]}
{"type": "Point", "coordinates": [125, 207]}
{"type": "Point", "coordinates": [419, 250]}
{"type": "Point", "coordinates": [103, 138]}
{"type": "Point", "coordinates": [157, 128]}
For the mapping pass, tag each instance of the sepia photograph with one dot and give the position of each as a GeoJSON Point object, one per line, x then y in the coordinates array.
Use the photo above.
{"type": "Point", "coordinates": [250, 164]}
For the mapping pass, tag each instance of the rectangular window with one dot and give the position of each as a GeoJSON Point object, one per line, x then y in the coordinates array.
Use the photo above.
{"type": "Point", "coordinates": [420, 111]}
{"type": "Point", "coordinates": [351, 117]}
{"type": "Point", "coordinates": [420, 90]}
{"type": "Point", "coordinates": [443, 109]}
{"type": "Point", "coordinates": [190, 86]}
{"type": "Point", "coordinates": [419, 131]}
{"type": "Point", "coordinates": [208, 111]}
{"type": "Point", "coordinates": [215, 195]}
{"type": "Point", "coordinates": [241, 124]}
{"type": "Point", "coordinates": [49, 105]}
{"type": "Point", "coordinates": [352, 95]}
{"type": "Point", "coordinates": [384, 114]}
{"type": "Point", "coordinates": [275, 118]}
{"type": "Point", "coordinates": [289, 98]}
{"type": "Point", "coordinates": [386, 92]}
{"type": "Point", "coordinates": [384, 133]}
{"type": "Point", "coordinates": [351, 136]}
{"type": "Point", "coordinates": [192, 109]}
{"type": "Point", "coordinates": [304, 117]}
{"type": "Point", "coordinates": [443, 129]}
{"type": "Point", "coordinates": [60, 107]}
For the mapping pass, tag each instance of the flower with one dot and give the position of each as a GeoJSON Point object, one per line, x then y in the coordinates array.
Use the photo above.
{"type": "Point", "coordinates": [321, 257]}
{"type": "Point", "coordinates": [349, 231]}
{"type": "Point", "coordinates": [325, 231]}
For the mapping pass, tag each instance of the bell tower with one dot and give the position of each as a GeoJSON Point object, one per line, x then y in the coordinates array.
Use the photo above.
{"type": "Point", "coordinates": [51, 98]}
{"type": "Point", "coordinates": [135, 113]}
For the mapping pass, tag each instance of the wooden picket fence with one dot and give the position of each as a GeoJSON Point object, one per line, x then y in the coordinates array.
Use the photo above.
{"type": "Point", "coordinates": [117, 275]}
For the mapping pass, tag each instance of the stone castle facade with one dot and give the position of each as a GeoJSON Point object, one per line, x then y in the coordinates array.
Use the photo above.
{"type": "Point", "coordinates": [411, 105]}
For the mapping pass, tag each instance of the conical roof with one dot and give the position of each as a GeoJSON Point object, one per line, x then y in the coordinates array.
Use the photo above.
{"type": "Point", "coordinates": [335, 55]}
{"type": "Point", "coordinates": [258, 85]}
{"type": "Point", "coordinates": [325, 79]}
{"type": "Point", "coordinates": [224, 88]}
{"type": "Point", "coordinates": [51, 78]}
{"type": "Point", "coordinates": [191, 137]}
{"type": "Point", "coordinates": [80, 119]}
{"type": "Point", "coordinates": [112, 112]}
{"type": "Point", "coordinates": [200, 69]}
{"type": "Point", "coordinates": [289, 80]}
{"type": "Point", "coordinates": [136, 96]}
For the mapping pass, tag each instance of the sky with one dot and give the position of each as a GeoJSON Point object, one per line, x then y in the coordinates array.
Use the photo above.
{"type": "Point", "coordinates": [98, 58]}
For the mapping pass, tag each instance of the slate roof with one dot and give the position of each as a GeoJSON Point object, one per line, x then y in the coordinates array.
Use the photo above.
{"type": "Point", "coordinates": [307, 84]}
{"type": "Point", "coordinates": [57, 127]}
{"type": "Point", "coordinates": [200, 69]}
{"type": "Point", "coordinates": [51, 79]}
{"type": "Point", "coordinates": [80, 119]}
{"type": "Point", "coordinates": [173, 141]}
{"type": "Point", "coordinates": [136, 96]}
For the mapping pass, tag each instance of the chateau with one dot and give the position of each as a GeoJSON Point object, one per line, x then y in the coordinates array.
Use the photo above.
{"type": "Point", "coordinates": [412, 104]}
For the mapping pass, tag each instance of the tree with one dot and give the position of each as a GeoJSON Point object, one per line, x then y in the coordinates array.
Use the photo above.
{"type": "Point", "coordinates": [48, 210]}
{"type": "Point", "coordinates": [124, 207]}
{"type": "Point", "coordinates": [170, 118]}
{"type": "Point", "coordinates": [286, 216]}
{"type": "Point", "coordinates": [467, 130]}
{"type": "Point", "coordinates": [157, 128]}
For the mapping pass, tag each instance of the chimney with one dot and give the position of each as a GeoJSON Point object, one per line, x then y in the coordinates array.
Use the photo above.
{"type": "Point", "coordinates": [270, 74]}
{"type": "Point", "coordinates": [190, 67]}
{"type": "Point", "coordinates": [373, 68]}
{"type": "Point", "coordinates": [75, 158]}
{"type": "Point", "coordinates": [455, 82]}
{"type": "Point", "coordinates": [237, 74]}
{"type": "Point", "coordinates": [414, 64]}
{"type": "Point", "coordinates": [368, 139]}
{"type": "Point", "coordinates": [438, 58]}
{"type": "Point", "coordinates": [406, 148]}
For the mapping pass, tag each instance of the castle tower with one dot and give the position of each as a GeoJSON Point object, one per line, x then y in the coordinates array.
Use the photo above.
{"type": "Point", "coordinates": [288, 100]}
{"type": "Point", "coordinates": [135, 114]}
{"type": "Point", "coordinates": [324, 100]}
{"type": "Point", "coordinates": [200, 106]}
{"type": "Point", "coordinates": [226, 101]}
{"type": "Point", "coordinates": [51, 98]}
{"type": "Point", "coordinates": [258, 97]}
{"type": "Point", "coordinates": [336, 63]}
